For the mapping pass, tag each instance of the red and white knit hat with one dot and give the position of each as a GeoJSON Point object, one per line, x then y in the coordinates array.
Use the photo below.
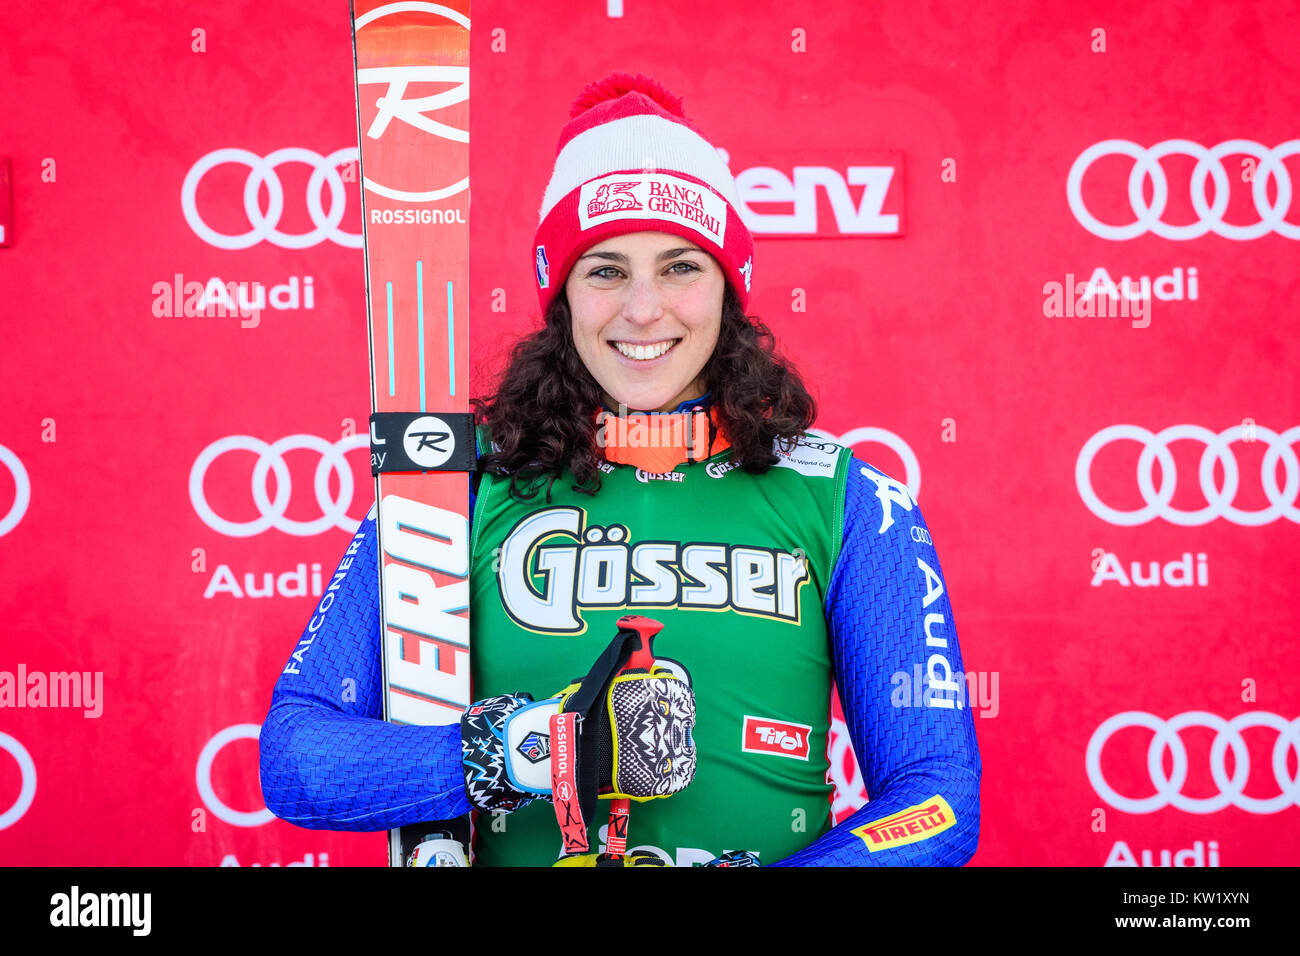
{"type": "Point", "coordinates": [630, 161]}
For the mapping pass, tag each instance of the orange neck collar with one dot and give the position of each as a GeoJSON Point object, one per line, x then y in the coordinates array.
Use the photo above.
{"type": "Point", "coordinates": [657, 442]}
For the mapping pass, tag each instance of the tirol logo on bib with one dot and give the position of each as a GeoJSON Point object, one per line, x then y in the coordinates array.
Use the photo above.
{"type": "Point", "coordinates": [653, 196]}
{"type": "Point", "coordinates": [766, 736]}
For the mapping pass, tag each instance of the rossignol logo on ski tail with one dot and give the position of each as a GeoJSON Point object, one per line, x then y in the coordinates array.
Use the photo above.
{"type": "Point", "coordinates": [908, 825]}
{"type": "Point", "coordinates": [762, 735]}
{"type": "Point", "coordinates": [553, 565]}
{"type": "Point", "coordinates": [425, 635]}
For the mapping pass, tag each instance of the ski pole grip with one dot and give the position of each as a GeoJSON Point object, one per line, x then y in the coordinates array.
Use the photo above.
{"type": "Point", "coordinates": [641, 631]}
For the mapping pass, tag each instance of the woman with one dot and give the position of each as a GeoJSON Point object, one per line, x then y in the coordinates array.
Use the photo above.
{"type": "Point", "coordinates": [776, 562]}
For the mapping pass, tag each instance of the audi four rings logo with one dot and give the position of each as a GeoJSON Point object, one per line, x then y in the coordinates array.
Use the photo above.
{"type": "Point", "coordinates": [262, 171]}
{"type": "Point", "coordinates": [270, 459]}
{"type": "Point", "coordinates": [27, 776]}
{"type": "Point", "coordinates": [1155, 447]}
{"type": "Point", "coordinates": [882, 436]}
{"type": "Point", "coordinates": [22, 491]}
{"type": "Point", "coordinates": [1227, 737]}
{"type": "Point", "coordinates": [203, 778]}
{"type": "Point", "coordinates": [1146, 165]}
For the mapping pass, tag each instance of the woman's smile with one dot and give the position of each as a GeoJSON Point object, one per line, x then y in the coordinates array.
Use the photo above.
{"type": "Point", "coordinates": [647, 311]}
{"type": "Point", "coordinates": [644, 353]}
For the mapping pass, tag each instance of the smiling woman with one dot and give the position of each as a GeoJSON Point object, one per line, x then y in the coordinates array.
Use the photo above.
{"type": "Point", "coordinates": [646, 314]}
{"type": "Point", "coordinates": [776, 563]}
{"type": "Point", "coordinates": [646, 322]}
{"type": "Point", "coordinates": [644, 271]}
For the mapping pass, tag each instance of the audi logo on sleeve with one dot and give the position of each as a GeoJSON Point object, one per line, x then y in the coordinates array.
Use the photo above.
{"type": "Point", "coordinates": [1167, 736]}
{"type": "Point", "coordinates": [1209, 169]}
{"type": "Point", "coordinates": [1218, 449]}
{"type": "Point", "coordinates": [270, 461]}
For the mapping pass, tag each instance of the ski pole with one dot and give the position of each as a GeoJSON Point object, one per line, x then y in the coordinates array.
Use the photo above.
{"type": "Point", "coordinates": [643, 631]}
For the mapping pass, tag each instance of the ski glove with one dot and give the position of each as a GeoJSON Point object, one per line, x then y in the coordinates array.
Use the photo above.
{"type": "Point", "coordinates": [734, 858]}
{"type": "Point", "coordinates": [631, 730]}
{"type": "Point", "coordinates": [488, 782]}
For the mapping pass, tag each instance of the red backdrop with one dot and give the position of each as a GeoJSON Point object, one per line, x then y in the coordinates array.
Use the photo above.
{"type": "Point", "coordinates": [917, 179]}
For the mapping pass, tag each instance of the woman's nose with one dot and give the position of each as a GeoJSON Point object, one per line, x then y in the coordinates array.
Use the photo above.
{"type": "Point", "coordinates": [642, 301]}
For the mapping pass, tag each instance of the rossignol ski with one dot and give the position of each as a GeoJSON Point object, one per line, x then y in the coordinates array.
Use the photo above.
{"type": "Point", "coordinates": [412, 83]}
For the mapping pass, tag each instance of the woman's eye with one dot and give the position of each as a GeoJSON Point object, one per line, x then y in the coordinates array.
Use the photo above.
{"type": "Point", "coordinates": [609, 272]}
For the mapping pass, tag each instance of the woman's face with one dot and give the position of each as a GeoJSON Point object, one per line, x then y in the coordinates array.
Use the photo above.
{"type": "Point", "coordinates": [647, 308]}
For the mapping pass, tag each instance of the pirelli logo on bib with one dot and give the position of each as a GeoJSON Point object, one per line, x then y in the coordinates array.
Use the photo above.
{"type": "Point", "coordinates": [653, 196]}
{"type": "Point", "coordinates": [907, 826]}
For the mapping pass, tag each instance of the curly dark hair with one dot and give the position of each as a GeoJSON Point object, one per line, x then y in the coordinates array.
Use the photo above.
{"type": "Point", "coordinates": [543, 415]}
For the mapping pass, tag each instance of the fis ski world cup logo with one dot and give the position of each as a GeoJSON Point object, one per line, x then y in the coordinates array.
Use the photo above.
{"type": "Point", "coordinates": [404, 101]}
{"type": "Point", "coordinates": [870, 434]}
